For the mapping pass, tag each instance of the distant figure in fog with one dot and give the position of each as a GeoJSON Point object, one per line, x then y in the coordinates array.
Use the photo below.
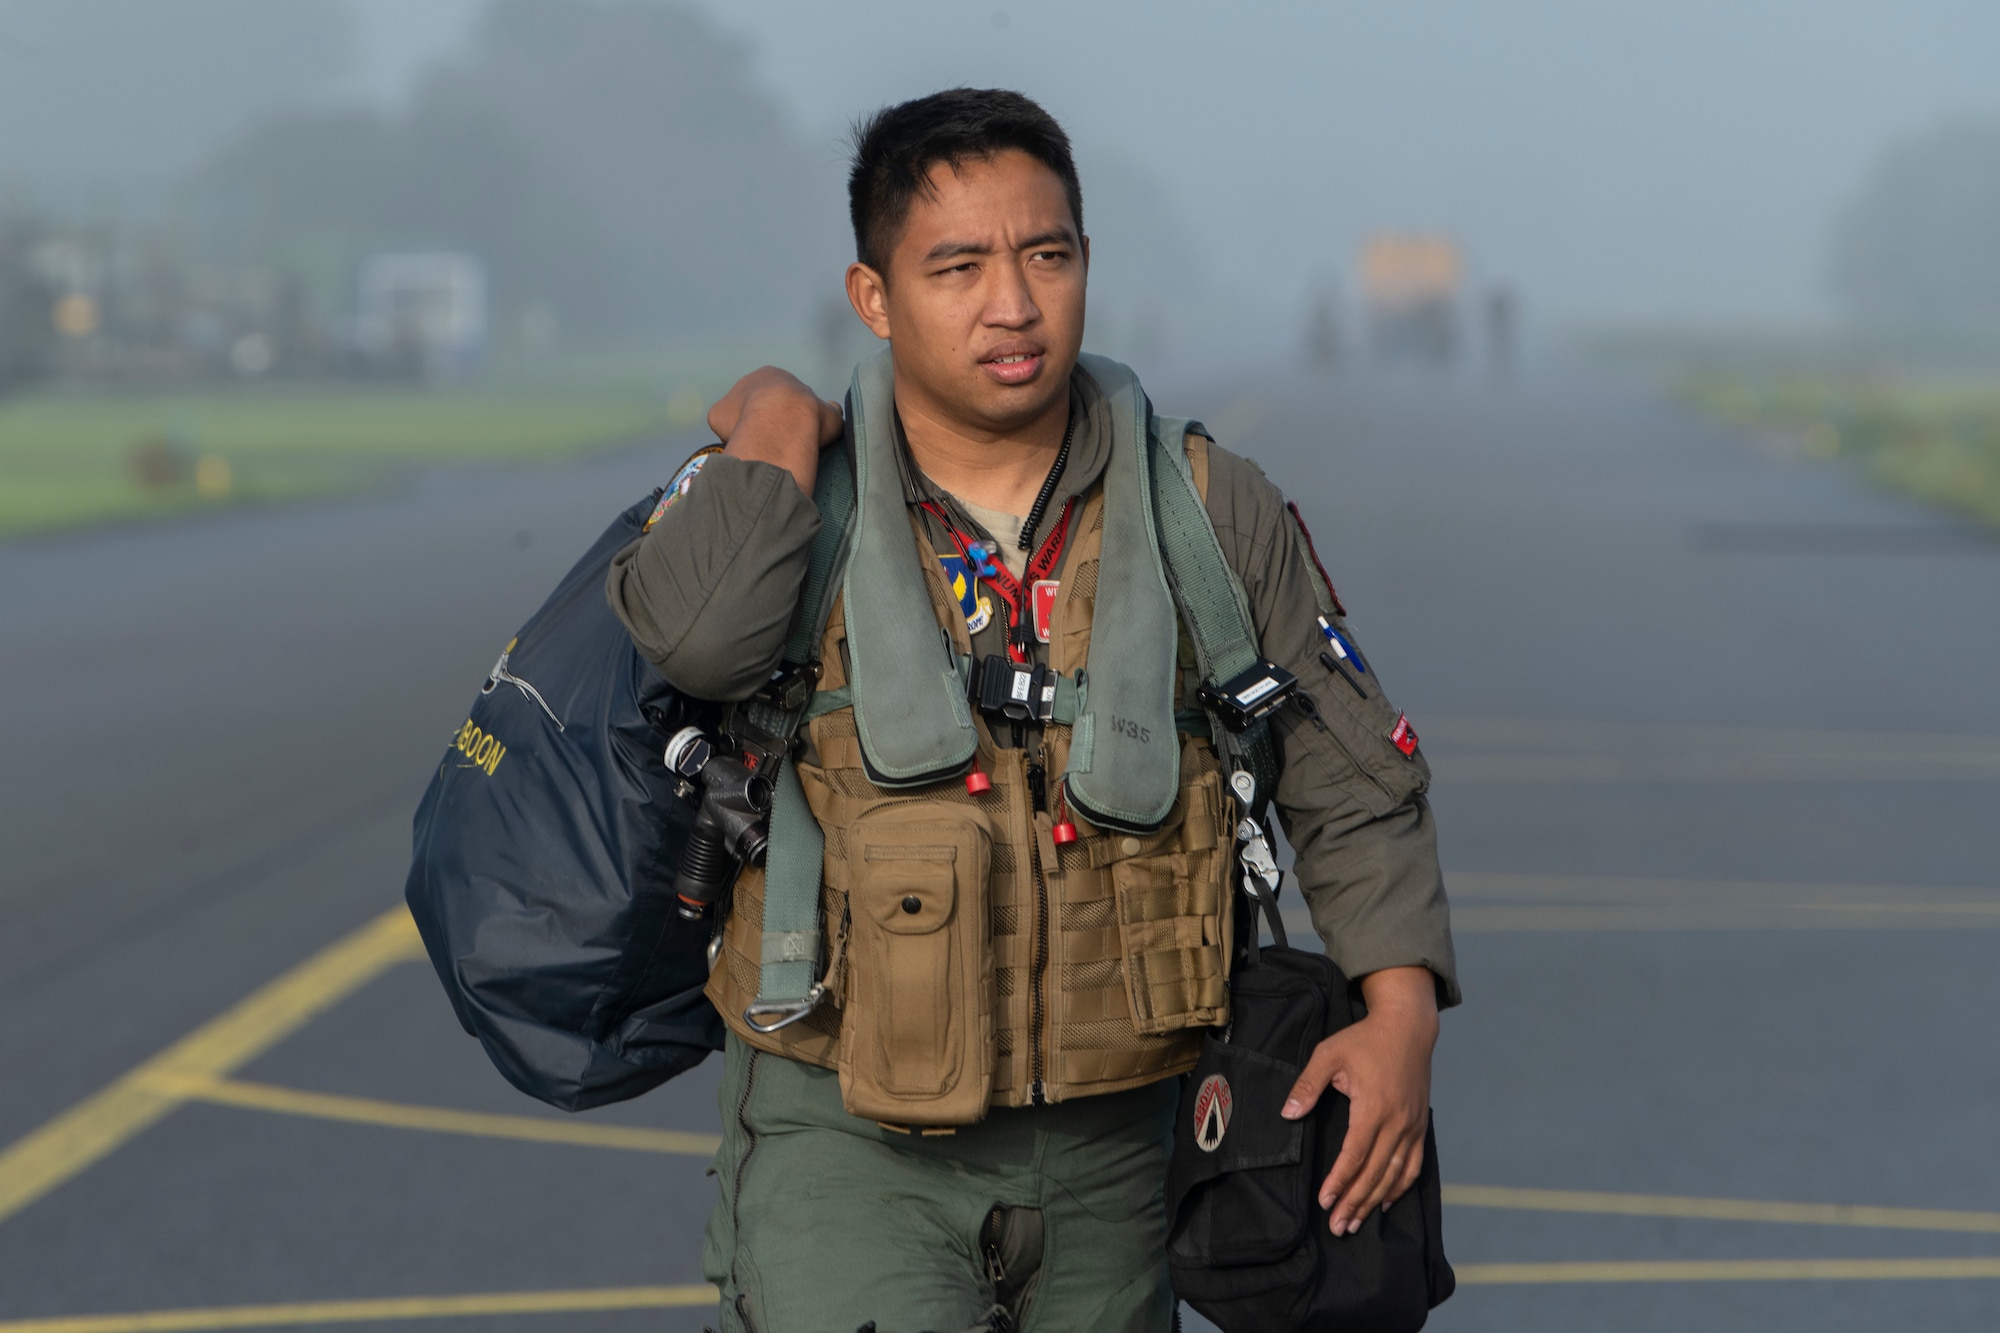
{"type": "Point", "coordinates": [1323, 332]}
{"type": "Point", "coordinates": [1501, 317]}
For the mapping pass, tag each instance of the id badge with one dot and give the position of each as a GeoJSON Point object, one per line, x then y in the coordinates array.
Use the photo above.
{"type": "Point", "coordinates": [1042, 600]}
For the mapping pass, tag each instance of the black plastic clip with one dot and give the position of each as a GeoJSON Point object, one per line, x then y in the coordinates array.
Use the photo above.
{"type": "Point", "coordinates": [790, 687]}
{"type": "Point", "coordinates": [1249, 695]}
{"type": "Point", "coordinates": [1020, 691]}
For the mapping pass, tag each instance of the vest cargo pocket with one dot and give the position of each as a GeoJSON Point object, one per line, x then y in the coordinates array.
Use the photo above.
{"type": "Point", "coordinates": [917, 1033]}
{"type": "Point", "coordinates": [1172, 892]}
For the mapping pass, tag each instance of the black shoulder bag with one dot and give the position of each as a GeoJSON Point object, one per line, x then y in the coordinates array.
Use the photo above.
{"type": "Point", "coordinates": [1248, 1244]}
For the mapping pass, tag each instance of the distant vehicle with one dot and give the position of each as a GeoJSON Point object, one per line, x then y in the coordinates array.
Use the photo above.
{"type": "Point", "coordinates": [423, 312]}
{"type": "Point", "coordinates": [1410, 284]}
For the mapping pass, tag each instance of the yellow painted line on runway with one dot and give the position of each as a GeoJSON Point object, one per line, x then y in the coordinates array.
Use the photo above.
{"type": "Point", "coordinates": [100, 1124]}
{"type": "Point", "coordinates": [1636, 889]}
{"type": "Point", "coordinates": [1492, 919]}
{"type": "Point", "coordinates": [1720, 1270]}
{"type": "Point", "coordinates": [1721, 1210]}
{"type": "Point", "coordinates": [373, 1311]}
{"type": "Point", "coordinates": [444, 1120]}
{"type": "Point", "coordinates": [1494, 750]}
{"type": "Point", "coordinates": [1616, 769]}
{"type": "Point", "coordinates": [1492, 902]}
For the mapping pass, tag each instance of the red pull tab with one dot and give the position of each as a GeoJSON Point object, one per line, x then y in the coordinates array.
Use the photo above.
{"type": "Point", "coordinates": [1064, 832]}
{"type": "Point", "coordinates": [976, 782]}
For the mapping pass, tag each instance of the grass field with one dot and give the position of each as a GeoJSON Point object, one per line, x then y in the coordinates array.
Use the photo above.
{"type": "Point", "coordinates": [1937, 439]}
{"type": "Point", "coordinates": [68, 459]}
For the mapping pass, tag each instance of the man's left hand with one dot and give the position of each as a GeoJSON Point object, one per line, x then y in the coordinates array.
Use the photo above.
{"type": "Point", "coordinates": [1382, 1064]}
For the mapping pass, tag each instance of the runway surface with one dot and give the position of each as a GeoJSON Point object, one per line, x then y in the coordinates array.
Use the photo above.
{"type": "Point", "coordinates": [1717, 745]}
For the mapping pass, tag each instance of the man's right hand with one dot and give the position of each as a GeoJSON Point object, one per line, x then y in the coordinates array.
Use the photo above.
{"type": "Point", "coordinates": [770, 416]}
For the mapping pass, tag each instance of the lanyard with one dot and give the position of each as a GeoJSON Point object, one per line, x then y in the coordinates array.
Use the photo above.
{"type": "Point", "coordinates": [1020, 632]}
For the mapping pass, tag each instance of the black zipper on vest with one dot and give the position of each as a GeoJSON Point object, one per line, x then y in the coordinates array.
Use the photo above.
{"type": "Point", "coordinates": [1038, 795]}
{"type": "Point", "coordinates": [1036, 977]}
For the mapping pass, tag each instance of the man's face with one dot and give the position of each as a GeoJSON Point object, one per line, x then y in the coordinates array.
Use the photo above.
{"type": "Point", "coordinates": [984, 298]}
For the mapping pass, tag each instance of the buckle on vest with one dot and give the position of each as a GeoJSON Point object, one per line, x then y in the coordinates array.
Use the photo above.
{"type": "Point", "coordinates": [786, 1014]}
{"type": "Point", "coordinates": [790, 687]}
{"type": "Point", "coordinates": [1019, 691]}
{"type": "Point", "coordinates": [1249, 695]}
{"type": "Point", "coordinates": [1254, 854]}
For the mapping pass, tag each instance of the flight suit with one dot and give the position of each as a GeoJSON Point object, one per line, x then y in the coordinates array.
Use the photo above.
{"type": "Point", "coordinates": [827, 1219]}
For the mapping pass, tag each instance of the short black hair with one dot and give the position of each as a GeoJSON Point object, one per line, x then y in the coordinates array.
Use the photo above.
{"type": "Point", "coordinates": [895, 149]}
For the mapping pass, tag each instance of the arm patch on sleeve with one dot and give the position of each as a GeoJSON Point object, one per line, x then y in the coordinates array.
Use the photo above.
{"type": "Point", "coordinates": [1311, 553]}
{"type": "Point", "coordinates": [678, 487]}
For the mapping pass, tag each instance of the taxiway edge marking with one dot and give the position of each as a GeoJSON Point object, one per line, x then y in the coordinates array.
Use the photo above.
{"type": "Point", "coordinates": [445, 1120]}
{"type": "Point", "coordinates": [373, 1311]}
{"type": "Point", "coordinates": [104, 1121]}
{"type": "Point", "coordinates": [1720, 1270]}
{"type": "Point", "coordinates": [1721, 1210]}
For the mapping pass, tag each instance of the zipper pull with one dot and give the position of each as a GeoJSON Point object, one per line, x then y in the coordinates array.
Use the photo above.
{"type": "Point", "coordinates": [1064, 831]}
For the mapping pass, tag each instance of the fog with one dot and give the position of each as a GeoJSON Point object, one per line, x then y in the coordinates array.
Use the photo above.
{"type": "Point", "coordinates": [1646, 161]}
{"type": "Point", "coordinates": [1616, 166]}
{"type": "Point", "coordinates": [1636, 367]}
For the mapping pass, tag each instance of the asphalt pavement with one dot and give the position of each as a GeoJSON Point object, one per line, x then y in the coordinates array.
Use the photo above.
{"type": "Point", "coordinates": [1717, 745]}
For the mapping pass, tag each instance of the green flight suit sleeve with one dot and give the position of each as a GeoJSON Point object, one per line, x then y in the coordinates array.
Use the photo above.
{"type": "Point", "coordinates": [708, 593]}
{"type": "Point", "coordinates": [1351, 803]}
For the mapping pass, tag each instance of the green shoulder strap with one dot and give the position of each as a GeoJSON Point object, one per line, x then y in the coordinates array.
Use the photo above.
{"type": "Point", "coordinates": [788, 984]}
{"type": "Point", "coordinates": [1211, 598]}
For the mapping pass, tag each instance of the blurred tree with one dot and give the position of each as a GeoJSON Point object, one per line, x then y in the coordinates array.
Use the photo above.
{"type": "Point", "coordinates": [1919, 246]}
{"type": "Point", "coordinates": [611, 162]}
{"type": "Point", "coordinates": [130, 93]}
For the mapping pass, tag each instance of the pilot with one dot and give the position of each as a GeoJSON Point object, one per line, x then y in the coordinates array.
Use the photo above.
{"type": "Point", "coordinates": [1017, 897]}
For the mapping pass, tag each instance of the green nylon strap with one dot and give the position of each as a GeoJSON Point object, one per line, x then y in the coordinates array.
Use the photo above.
{"type": "Point", "coordinates": [834, 497]}
{"type": "Point", "coordinates": [1210, 596]}
{"type": "Point", "coordinates": [1209, 593]}
{"type": "Point", "coordinates": [795, 859]}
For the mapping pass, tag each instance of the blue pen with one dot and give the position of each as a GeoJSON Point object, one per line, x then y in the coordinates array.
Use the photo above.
{"type": "Point", "coordinates": [1344, 650]}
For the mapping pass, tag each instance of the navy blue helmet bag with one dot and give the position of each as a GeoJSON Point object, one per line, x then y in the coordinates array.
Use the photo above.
{"type": "Point", "coordinates": [542, 879]}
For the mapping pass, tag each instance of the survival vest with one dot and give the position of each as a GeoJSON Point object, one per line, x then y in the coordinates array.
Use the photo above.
{"type": "Point", "coordinates": [941, 949]}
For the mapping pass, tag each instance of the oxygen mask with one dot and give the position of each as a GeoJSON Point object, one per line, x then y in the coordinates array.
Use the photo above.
{"type": "Point", "coordinates": [732, 824]}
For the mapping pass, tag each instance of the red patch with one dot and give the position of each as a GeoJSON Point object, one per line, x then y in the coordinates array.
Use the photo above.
{"type": "Point", "coordinates": [1313, 551]}
{"type": "Point", "coordinates": [1404, 737]}
{"type": "Point", "coordinates": [1042, 598]}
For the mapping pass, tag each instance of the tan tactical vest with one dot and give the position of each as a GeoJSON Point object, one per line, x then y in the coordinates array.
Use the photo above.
{"type": "Point", "coordinates": [962, 939]}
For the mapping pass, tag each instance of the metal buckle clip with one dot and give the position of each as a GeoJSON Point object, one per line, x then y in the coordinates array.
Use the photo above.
{"type": "Point", "coordinates": [1255, 855]}
{"type": "Point", "coordinates": [790, 1012]}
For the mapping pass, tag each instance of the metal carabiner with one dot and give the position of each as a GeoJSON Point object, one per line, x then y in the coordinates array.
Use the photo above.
{"type": "Point", "coordinates": [793, 1011]}
{"type": "Point", "coordinates": [1254, 853]}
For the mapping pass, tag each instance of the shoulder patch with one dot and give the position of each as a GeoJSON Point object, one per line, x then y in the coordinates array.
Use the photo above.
{"type": "Point", "coordinates": [680, 484]}
{"type": "Point", "coordinates": [1312, 554]}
